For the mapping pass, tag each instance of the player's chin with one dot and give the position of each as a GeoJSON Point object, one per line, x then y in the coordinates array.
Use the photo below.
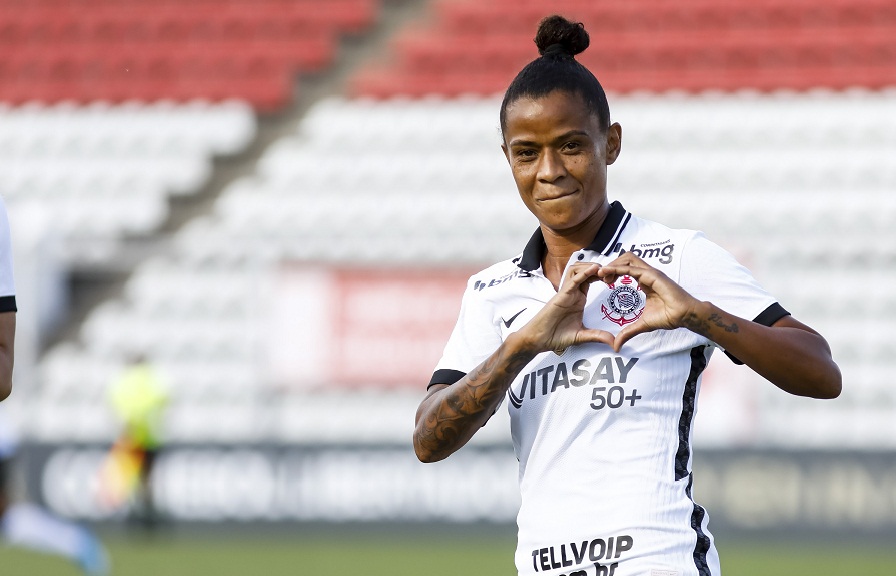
{"type": "Point", "coordinates": [560, 222]}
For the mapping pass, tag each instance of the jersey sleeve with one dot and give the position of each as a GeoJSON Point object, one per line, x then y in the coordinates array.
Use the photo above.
{"type": "Point", "coordinates": [712, 274]}
{"type": "Point", "coordinates": [474, 338]}
{"type": "Point", "coordinates": [7, 286]}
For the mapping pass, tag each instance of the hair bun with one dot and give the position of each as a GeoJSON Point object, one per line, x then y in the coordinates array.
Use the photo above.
{"type": "Point", "coordinates": [561, 36]}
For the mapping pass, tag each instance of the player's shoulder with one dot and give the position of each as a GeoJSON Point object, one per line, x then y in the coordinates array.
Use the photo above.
{"type": "Point", "coordinates": [486, 281]}
{"type": "Point", "coordinates": [655, 242]}
{"type": "Point", "coordinates": [647, 229]}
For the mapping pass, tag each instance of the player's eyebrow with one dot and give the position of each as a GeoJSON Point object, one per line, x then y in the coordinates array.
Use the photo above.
{"type": "Point", "coordinates": [561, 137]}
{"type": "Point", "coordinates": [570, 134]}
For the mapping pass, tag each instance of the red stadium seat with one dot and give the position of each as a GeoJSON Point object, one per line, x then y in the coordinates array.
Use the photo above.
{"type": "Point", "coordinates": [652, 45]}
{"type": "Point", "coordinates": [121, 49]}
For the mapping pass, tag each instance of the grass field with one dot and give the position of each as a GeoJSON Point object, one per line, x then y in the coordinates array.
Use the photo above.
{"type": "Point", "coordinates": [386, 554]}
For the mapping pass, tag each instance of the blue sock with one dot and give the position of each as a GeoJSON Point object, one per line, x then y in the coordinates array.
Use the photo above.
{"type": "Point", "coordinates": [32, 527]}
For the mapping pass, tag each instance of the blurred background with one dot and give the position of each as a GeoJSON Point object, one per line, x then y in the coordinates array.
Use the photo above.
{"type": "Point", "coordinates": [272, 206]}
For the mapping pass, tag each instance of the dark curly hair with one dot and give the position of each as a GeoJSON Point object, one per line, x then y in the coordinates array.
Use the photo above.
{"type": "Point", "coordinates": [558, 41]}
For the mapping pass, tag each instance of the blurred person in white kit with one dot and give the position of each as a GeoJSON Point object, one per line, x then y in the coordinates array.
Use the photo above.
{"type": "Point", "coordinates": [24, 524]}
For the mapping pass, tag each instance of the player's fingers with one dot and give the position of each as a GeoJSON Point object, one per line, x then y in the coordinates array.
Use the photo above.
{"type": "Point", "coordinates": [607, 275]}
{"type": "Point", "coordinates": [580, 274]}
{"type": "Point", "coordinates": [594, 335]}
{"type": "Point", "coordinates": [581, 271]}
{"type": "Point", "coordinates": [628, 259]}
{"type": "Point", "coordinates": [610, 273]}
{"type": "Point", "coordinates": [628, 333]}
{"type": "Point", "coordinates": [623, 269]}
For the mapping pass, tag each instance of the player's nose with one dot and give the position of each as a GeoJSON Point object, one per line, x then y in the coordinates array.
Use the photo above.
{"type": "Point", "coordinates": [551, 167]}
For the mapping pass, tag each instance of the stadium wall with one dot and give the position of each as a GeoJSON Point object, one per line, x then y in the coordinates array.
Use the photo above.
{"type": "Point", "coordinates": [748, 492]}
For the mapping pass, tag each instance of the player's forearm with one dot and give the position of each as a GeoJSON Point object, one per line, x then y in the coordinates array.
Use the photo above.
{"type": "Point", "coordinates": [448, 418]}
{"type": "Point", "coordinates": [788, 354]}
{"type": "Point", "coordinates": [7, 352]}
{"type": "Point", "coordinates": [5, 373]}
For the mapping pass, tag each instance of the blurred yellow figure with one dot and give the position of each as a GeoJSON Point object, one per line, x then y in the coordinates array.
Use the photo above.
{"type": "Point", "coordinates": [138, 398]}
{"type": "Point", "coordinates": [120, 476]}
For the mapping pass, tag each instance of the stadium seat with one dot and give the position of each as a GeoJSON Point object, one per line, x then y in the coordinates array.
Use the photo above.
{"type": "Point", "coordinates": [755, 141]}
{"type": "Point", "coordinates": [205, 50]}
{"type": "Point", "coordinates": [106, 172]}
{"type": "Point", "coordinates": [476, 47]}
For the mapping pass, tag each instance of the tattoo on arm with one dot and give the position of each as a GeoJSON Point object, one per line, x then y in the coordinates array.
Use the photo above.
{"type": "Point", "coordinates": [702, 325]}
{"type": "Point", "coordinates": [695, 324]}
{"type": "Point", "coordinates": [718, 321]}
{"type": "Point", "coordinates": [467, 404]}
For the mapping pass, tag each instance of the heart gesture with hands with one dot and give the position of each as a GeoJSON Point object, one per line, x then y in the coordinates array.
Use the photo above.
{"type": "Point", "coordinates": [559, 325]}
{"type": "Point", "coordinates": [668, 305]}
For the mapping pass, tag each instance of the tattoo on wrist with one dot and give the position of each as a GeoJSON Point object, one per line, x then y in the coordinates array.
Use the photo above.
{"type": "Point", "coordinates": [695, 324]}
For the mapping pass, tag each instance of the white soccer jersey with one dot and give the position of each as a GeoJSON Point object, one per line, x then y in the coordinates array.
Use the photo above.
{"type": "Point", "coordinates": [7, 286]}
{"type": "Point", "coordinates": [604, 439]}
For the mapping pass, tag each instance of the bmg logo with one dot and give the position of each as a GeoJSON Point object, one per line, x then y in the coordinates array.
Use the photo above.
{"type": "Point", "coordinates": [664, 253]}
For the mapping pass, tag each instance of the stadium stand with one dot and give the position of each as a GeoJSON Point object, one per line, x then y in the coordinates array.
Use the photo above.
{"type": "Point", "coordinates": [110, 109]}
{"type": "Point", "coordinates": [105, 171]}
{"type": "Point", "coordinates": [104, 50]}
{"type": "Point", "coordinates": [651, 45]}
{"type": "Point", "coordinates": [789, 213]}
{"type": "Point", "coordinates": [769, 125]}
{"type": "Point", "coordinates": [107, 108]}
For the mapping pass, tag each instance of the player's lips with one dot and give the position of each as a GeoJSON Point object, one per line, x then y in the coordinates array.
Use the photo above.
{"type": "Point", "coordinates": [556, 195]}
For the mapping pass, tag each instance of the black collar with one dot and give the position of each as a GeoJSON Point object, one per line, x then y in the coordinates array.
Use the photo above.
{"type": "Point", "coordinates": [603, 242]}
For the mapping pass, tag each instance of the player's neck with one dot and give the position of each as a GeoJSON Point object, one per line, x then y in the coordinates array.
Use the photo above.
{"type": "Point", "coordinates": [560, 244]}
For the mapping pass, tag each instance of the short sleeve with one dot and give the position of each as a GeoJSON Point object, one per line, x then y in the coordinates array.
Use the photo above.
{"type": "Point", "coordinates": [7, 285]}
{"type": "Point", "coordinates": [712, 274]}
{"type": "Point", "coordinates": [474, 338]}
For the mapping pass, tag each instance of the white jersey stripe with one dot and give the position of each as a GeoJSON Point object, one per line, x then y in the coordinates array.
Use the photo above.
{"type": "Point", "coordinates": [612, 244]}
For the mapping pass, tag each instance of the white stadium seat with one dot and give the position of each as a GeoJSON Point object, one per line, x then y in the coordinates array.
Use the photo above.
{"type": "Point", "coordinates": [105, 171]}
{"type": "Point", "coordinates": [798, 186]}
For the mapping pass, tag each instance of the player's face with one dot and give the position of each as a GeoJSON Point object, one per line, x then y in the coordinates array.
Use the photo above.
{"type": "Point", "coordinates": [559, 156]}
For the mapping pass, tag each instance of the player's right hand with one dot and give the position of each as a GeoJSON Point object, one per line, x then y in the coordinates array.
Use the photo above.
{"type": "Point", "coordinates": [558, 325]}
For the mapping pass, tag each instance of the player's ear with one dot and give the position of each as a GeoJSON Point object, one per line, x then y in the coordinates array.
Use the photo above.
{"type": "Point", "coordinates": [614, 142]}
{"type": "Point", "coordinates": [506, 152]}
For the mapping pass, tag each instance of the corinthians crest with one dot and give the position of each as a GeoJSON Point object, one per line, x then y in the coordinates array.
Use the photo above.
{"type": "Point", "coordinates": [625, 304]}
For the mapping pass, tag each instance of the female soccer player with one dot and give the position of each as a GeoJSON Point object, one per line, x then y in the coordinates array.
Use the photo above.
{"type": "Point", "coordinates": [597, 334]}
{"type": "Point", "coordinates": [7, 306]}
{"type": "Point", "coordinates": [21, 523]}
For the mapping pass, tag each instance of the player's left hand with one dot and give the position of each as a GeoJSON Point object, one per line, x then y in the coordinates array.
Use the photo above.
{"type": "Point", "coordinates": [667, 304]}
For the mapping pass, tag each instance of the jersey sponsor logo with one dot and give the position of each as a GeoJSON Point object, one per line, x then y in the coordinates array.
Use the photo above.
{"type": "Point", "coordinates": [483, 284]}
{"type": "Point", "coordinates": [661, 250]}
{"type": "Point", "coordinates": [555, 377]}
{"type": "Point", "coordinates": [510, 320]}
{"type": "Point", "coordinates": [625, 303]}
{"type": "Point", "coordinates": [598, 552]}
